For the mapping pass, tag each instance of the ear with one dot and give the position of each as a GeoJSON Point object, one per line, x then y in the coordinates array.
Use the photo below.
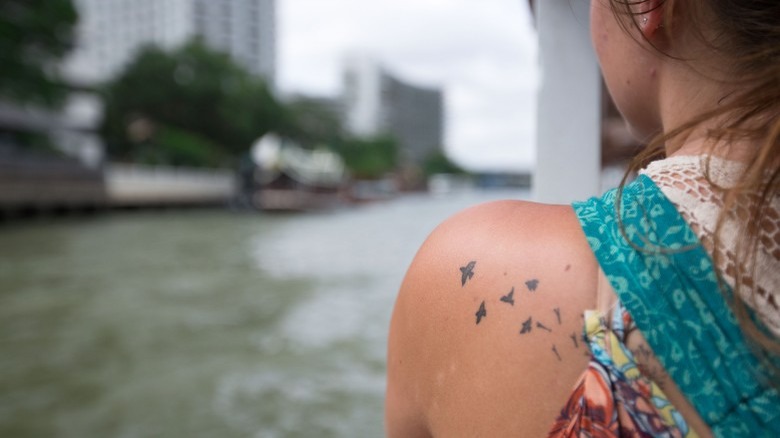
{"type": "Point", "coordinates": [650, 17]}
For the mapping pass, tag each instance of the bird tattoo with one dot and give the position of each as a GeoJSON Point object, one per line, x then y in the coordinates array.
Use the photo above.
{"type": "Point", "coordinates": [527, 326]}
{"type": "Point", "coordinates": [467, 272]}
{"type": "Point", "coordinates": [532, 285]}
{"type": "Point", "coordinates": [542, 326]}
{"type": "Point", "coordinates": [509, 298]}
{"type": "Point", "coordinates": [481, 313]}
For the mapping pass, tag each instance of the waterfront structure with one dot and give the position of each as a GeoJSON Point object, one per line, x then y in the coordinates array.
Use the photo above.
{"type": "Point", "coordinates": [377, 103]}
{"type": "Point", "coordinates": [285, 176]}
{"type": "Point", "coordinates": [38, 179]}
{"type": "Point", "coordinates": [108, 35]}
{"type": "Point", "coordinates": [110, 32]}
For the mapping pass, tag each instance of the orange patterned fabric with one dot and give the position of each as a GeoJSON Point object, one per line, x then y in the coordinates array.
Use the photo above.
{"type": "Point", "coordinates": [612, 398]}
{"type": "Point", "coordinates": [590, 410]}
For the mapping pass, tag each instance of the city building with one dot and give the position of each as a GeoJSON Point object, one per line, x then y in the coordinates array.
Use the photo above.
{"type": "Point", "coordinates": [111, 31]}
{"type": "Point", "coordinates": [243, 28]}
{"type": "Point", "coordinates": [377, 103]}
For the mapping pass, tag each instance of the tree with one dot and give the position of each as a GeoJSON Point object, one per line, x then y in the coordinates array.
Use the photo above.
{"type": "Point", "coordinates": [315, 122]}
{"type": "Point", "coordinates": [164, 100]}
{"type": "Point", "coordinates": [34, 37]}
{"type": "Point", "coordinates": [369, 158]}
{"type": "Point", "coordinates": [437, 162]}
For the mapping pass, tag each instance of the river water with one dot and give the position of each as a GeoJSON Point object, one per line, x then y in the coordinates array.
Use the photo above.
{"type": "Point", "coordinates": [205, 323]}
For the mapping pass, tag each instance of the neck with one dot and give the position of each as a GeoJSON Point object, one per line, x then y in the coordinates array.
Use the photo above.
{"type": "Point", "coordinates": [684, 95]}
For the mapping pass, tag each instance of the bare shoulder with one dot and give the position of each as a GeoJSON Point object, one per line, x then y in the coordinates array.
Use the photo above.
{"type": "Point", "coordinates": [485, 336]}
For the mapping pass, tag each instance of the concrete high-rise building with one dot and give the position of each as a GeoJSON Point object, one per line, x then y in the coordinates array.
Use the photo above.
{"type": "Point", "coordinates": [243, 28]}
{"type": "Point", "coordinates": [377, 103]}
{"type": "Point", "coordinates": [110, 32]}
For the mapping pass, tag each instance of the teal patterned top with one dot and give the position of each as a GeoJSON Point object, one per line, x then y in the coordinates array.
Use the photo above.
{"type": "Point", "coordinates": [670, 288]}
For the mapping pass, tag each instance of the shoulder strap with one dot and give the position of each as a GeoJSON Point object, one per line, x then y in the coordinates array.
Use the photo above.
{"type": "Point", "coordinates": [667, 282]}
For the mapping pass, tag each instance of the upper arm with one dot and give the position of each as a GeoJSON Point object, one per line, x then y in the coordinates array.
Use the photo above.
{"type": "Point", "coordinates": [463, 361]}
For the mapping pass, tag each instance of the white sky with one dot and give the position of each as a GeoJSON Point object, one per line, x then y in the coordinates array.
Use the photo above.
{"type": "Point", "coordinates": [482, 53]}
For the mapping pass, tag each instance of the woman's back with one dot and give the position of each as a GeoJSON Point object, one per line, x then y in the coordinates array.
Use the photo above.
{"type": "Point", "coordinates": [484, 338]}
{"type": "Point", "coordinates": [494, 347]}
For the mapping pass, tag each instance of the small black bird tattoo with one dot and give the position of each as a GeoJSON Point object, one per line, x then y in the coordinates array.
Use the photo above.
{"type": "Point", "coordinates": [481, 313]}
{"type": "Point", "coordinates": [574, 338]}
{"type": "Point", "coordinates": [532, 285]}
{"type": "Point", "coordinates": [542, 326]}
{"type": "Point", "coordinates": [527, 326]}
{"type": "Point", "coordinates": [557, 311]}
{"type": "Point", "coordinates": [555, 350]}
{"type": "Point", "coordinates": [467, 272]}
{"type": "Point", "coordinates": [510, 297]}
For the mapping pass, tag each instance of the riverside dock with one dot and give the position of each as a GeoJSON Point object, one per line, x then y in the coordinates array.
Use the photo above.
{"type": "Point", "coordinates": [34, 186]}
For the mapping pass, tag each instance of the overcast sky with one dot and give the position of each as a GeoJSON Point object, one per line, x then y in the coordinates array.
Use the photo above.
{"type": "Point", "coordinates": [482, 53]}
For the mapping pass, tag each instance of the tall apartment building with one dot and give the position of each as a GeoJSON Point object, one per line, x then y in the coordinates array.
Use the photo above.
{"type": "Point", "coordinates": [377, 103]}
{"type": "Point", "coordinates": [111, 31]}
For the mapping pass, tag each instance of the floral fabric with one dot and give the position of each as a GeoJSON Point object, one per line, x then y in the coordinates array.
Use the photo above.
{"type": "Point", "coordinates": [668, 287]}
{"type": "Point", "coordinates": [613, 398]}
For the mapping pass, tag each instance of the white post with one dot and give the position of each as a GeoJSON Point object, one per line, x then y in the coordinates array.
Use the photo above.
{"type": "Point", "coordinates": [568, 157]}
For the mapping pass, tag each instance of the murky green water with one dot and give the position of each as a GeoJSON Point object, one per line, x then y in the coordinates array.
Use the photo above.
{"type": "Point", "coordinates": [204, 323]}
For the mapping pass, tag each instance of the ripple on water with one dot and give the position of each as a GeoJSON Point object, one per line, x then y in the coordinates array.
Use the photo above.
{"type": "Point", "coordinates": [273, 402]}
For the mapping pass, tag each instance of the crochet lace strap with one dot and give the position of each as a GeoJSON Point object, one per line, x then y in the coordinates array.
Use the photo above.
{"type": "Point", "coordinates": [693, 184]}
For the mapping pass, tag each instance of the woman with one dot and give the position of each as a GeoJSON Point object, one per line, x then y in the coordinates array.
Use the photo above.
{"type": "Point", "coordinates": [615, 317]}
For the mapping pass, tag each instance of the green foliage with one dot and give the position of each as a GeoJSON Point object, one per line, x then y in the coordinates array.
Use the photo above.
{"type": "Point", "coordinates": [183, 148]}
{"type": "Point", "coordinates": [315, 122]}
{"type": "Point", "coordinates": [36, 143]}
{"type": "Point", "coordinates": [34, 37]}
{"type": "Point", "coordinates": [437, 162]}
{"type": "Point", "coordinates": [191, 90]}
{"type": "Point", "coordinates": [369, 158]}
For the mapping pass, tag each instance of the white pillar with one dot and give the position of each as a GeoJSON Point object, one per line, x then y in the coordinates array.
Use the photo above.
{"type": "Point", "coordinates": [568, 148]}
